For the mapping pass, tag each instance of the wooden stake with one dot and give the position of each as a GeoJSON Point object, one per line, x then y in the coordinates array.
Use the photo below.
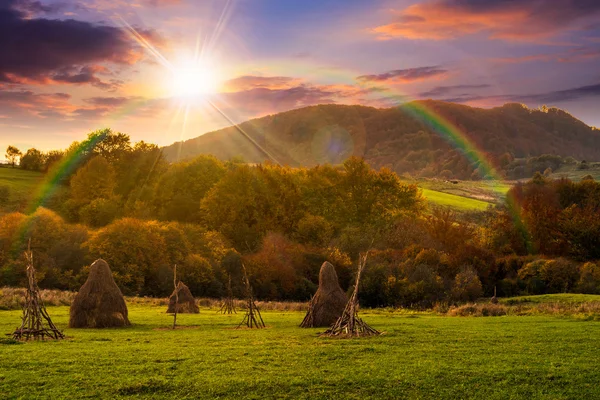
{"type": "Point", "coordinates": [176, 295]}
{"type": "Point", "coordinates": [349, 324]}
{"type": "Point", "coordinates": [35, 316]}
{"type": "Point", "coordinates": [228, 306]}
{"type": "Point", "coordinates": [252, 318]}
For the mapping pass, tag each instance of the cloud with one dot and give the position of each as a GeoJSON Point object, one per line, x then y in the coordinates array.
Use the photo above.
{"type": "Point", "coordinates": [444, 90]}
{"type": "Point", "coordinates": [261, 101]}
{"type": "Point", "coordinates": [557, 96]}
{"type": "Point", "coordinates": [42, 50]}
{"type": "Point", "coordinates": [579, 54]}
{"type": "Point", "coordinates": [28, 103]}
{"type": "Point", "coordinates": [405, 75]}
{"type": "Point", "coordinates": [249, 82]}
{"type": "Point", "coordinates": [112, 101]}
{"type": "Point", "coordinates": [515, 20]}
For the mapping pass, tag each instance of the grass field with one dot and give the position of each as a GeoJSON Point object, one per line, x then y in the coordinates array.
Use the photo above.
{"type": "Point", "coordinates": [419, 356]}
{"type": "Point", "coordinates": [21, 185]}
{"type": "Point", "coordinates": [457, 202]}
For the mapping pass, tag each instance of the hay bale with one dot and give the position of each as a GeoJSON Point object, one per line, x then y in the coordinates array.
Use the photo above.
{"type": "Point", "coordinates": [329, 301]}
{"type": "Point", "coordinates": [185, 301]}
{"type": "Point", "coordinates": [99, 303]}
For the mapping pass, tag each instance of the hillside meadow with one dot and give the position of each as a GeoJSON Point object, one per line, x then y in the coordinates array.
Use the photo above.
{"type": "Point", "coordinates": [420, 355]}
{"type": "Point", "coordinates": [19, 185]}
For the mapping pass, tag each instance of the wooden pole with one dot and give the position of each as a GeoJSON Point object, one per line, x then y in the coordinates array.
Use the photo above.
{"type": "Point", "coordinates": [176, 295]}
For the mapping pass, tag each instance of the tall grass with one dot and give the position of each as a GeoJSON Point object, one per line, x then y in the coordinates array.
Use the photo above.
{"type": "Point", "coordinates": [13, 298]}
{"type": "Point", "coordinates": [587, 309]}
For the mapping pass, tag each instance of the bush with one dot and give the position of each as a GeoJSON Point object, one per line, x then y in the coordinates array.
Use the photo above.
{"type": "Point", "coordinates": [478, 310]}
{"type": "Point", "coordinates": [467, 286]}
{"type": "Point", "coordinates": [589, 279]}
{"type": "Point", "coordinates": [559, 275]}
{"type": "Point", "coordinates": [530, 274]}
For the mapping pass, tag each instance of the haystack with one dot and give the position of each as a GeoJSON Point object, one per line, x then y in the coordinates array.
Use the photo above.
{"type": "Point", "coordinates": [99, 303]}
{"type": "Point", "coordinates": [182, 296]}
{"type": "Point", "coordinates": [328, 303]}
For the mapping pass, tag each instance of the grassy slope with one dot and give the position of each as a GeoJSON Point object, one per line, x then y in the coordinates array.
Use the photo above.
{"type": "Point", "coordinates": [420, 356]}
{"type": "Point", "coordinates": [21, 184]}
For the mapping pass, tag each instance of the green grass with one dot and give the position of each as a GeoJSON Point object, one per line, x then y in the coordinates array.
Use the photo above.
{"type": "Point", "coordinates": [420, 356]}
{"type": "Point", "coordinates": [21, 185]}
{"type": "Point", "coordinates": [457, 202]}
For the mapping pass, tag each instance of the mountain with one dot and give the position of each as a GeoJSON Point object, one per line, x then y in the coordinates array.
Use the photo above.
{"type": "Point", "coordinates": [398, 139]}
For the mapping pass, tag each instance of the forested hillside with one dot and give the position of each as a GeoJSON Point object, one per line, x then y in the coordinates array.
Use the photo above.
{"type": "Point", "coordinates": [396, 139]}
{"type": "Point", "coordinates": [105, 197]}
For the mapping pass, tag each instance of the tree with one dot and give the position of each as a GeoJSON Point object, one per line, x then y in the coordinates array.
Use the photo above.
{"type": "Point", "coordinates": [33, 160]}
{"type": "Point", "coordinates": [108, 144]}
{"type": "Point", "coordinates": [12, 153]}
{"type": "Point", "coordinates": [179, 191]}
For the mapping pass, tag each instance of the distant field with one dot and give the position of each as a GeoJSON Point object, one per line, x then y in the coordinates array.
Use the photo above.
{"type": "Point", "coordinates": [571, 172]}
{"type": "Point", "coordinates": [419, 356]}
{"type": "Point", "coordinates": [455, 201]}
{"type": "Point", "coordinates": [21, 185]}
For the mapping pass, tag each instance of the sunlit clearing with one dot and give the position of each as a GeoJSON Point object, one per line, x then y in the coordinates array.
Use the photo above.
{"type": "Point", "coordinates": [194, 81]}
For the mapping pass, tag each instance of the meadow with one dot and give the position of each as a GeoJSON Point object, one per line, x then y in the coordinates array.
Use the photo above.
{"type": "Point", "coordinates": [21, 185]}
{"type": "Point", "coordinates": [420, 355]}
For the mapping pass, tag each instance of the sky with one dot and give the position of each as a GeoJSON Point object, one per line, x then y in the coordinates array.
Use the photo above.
{"type": "Point", "coordinates": [169, 70]}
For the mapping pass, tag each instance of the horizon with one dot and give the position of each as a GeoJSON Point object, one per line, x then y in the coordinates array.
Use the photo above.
{"type": "Point", "coordinates": [171, 70]}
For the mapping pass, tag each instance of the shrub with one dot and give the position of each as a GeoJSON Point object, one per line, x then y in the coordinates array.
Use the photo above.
{"type": "Point", "coordinates": [530, 274]}
{"type": "Point", "coordinates": [589, 278]}
{"type": "Point", "coordinates": [478, 310]}
{"type": "Point", "coordinates": [559, 275]}
{"type": "Point", "coordinates": [467, 286]}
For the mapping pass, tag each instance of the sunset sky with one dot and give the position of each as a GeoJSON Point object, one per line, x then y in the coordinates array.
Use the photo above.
{"type": "Point", "coordinates": [166, 70]}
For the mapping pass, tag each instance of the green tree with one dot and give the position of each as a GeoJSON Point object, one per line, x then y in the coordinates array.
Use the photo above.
{"type": "Point", "coordinates": [182, 187]}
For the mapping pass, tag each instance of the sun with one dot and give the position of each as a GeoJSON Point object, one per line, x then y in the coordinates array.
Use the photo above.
{"type": "Point", "coordinates": [194, 81]}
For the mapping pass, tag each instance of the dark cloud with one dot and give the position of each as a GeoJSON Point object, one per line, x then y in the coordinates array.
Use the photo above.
{"type": "Point", "coordinates": [42, 50]}
{"type": "Point", "coordinates": [248, 82]}
{"type": "Point", "coordinates": [405, 75]}
{"type": "Point", "coordinates": [111, 101]}
{"type": "Point", "coordinates": [502, 19]}
{"type": "Point", "coordinates": [578, 54]}
{"type": "Point", "coordinates": [444, 90]}
{"type": "Point", "coordinates": [557, 96]}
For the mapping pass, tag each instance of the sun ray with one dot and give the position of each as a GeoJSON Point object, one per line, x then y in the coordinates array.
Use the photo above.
{"type": "Point", "coordinates": [243, 132]}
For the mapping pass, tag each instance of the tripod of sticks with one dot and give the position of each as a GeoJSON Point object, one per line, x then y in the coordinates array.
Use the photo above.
{"type": "Point", "coordinates": [36, 323]}
{"type": "Point", "coordinates": [349, 324]}
{"type": "Point", "coordinates": [228, 306]}
{"type": "Point", "coordinates": [252, 318]}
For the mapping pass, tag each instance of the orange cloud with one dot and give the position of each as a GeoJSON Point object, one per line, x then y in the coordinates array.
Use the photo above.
{"type": "Point", "coordinates": [499, 19]}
